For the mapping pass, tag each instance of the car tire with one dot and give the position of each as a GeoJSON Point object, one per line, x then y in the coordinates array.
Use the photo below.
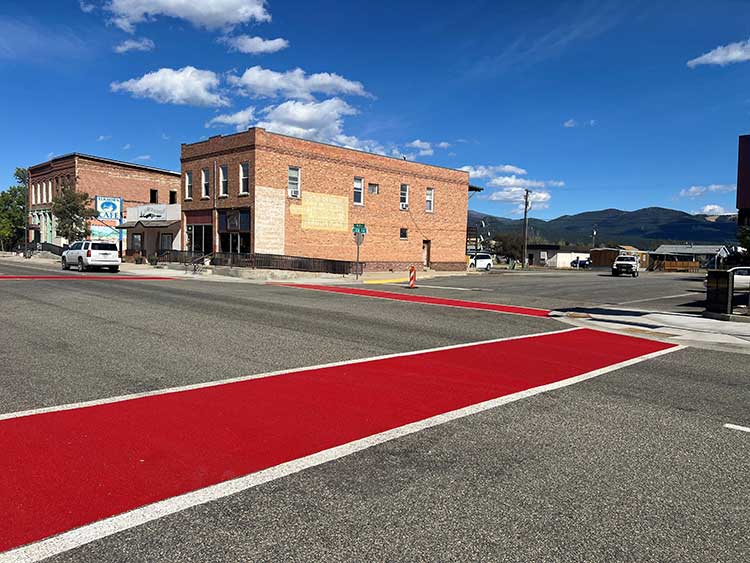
{"type": "Point", "coordinates": [488, 268]}
{"type": "Point", "coordinates": [114, 269]}
{"type": "Point", "coordinates": [65, 264]}
{"type": "Point", "coordinates": [81, 267]}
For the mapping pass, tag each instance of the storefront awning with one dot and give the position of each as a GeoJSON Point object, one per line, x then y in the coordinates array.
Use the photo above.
{"type": "Point", "coordinates": [147, 224]}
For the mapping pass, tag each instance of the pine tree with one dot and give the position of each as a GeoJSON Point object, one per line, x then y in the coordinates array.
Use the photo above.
{"type": "Point", "coordinates": [71, 208]}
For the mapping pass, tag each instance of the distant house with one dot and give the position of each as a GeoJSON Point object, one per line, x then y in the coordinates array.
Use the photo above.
{"type": "Point", "coordinates": [605, 257]}
{"type": "Point", "coordinates": [707, 255]}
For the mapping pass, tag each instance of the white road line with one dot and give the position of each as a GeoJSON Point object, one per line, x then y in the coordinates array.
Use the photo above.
{"type": "Point", "coordinates": [119, 398]}
{"type": "Point", "coordinates": [109, 526]}
{"type": "Point", "coordinates": [736, 427]}
{"type": "Point", "coordinates": [656, 298]}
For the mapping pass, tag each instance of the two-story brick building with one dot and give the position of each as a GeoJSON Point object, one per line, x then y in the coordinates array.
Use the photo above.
{"type": "Point", "coordinates": [265, 193]}
{"type": "Point", "coordinates": [134, 184]}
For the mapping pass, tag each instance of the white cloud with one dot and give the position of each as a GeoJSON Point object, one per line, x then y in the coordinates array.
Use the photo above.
{"type": "Point", "coordinates": [723, 55]}
{"type": "Point", "coordinates": [143, 44]}
{"type": "Point", "coordinates": [101, 138]}
{"type": "Point", "coordinates": [186, 86]}
{"type": "Point", "coordinates": [260, 82]}
{"type": "Point", "coordinates": [143, 157]}
{"type": "Point", "coordinates": [698, 191]}
{"type": "Point", "coordinates": [425, 148]}
{"type": "Point", "coordinates": [164, 137]}
{"type": "Point", "coordinates": [213, 14]}
{"type": "Point", "coordinates": [316, 121]}
{"type": "Point", "coordinates": [240, 120]}
{"type": "Point", "coordinates": [254, 45]}
{"type": "Point", "coordinates": [515, 182]}
{"type": "Point", "coordinates": [713, 209]}
{"type": "Point", "coordinates": [86, 7]}
{"type": "Point", "coordinates": [490, 171]}
{"type": "Point", "coordinates": [443, 145]}
{"type": "Point", "coordinates": [537, 199]}
{"type": "Point", "coordinates": [570, 123]}
{"type": "Point", "coordinates": [127, 147]}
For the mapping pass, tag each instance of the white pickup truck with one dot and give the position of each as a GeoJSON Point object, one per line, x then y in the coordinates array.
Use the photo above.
{"type": "Point", "coordinates": [86, 254]}
{"type": "Point", "coordinates": [625, 265]}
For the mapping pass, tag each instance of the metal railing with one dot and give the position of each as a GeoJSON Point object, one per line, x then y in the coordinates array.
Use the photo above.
{"type": "Point", "coordinates": [282, 262]}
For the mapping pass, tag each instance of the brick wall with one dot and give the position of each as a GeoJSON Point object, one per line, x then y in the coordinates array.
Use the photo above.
{"type": "Point", "coordinates": [319, 223]}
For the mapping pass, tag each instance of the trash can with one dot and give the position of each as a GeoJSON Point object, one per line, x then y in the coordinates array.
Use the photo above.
{"type": "Point", "coordinates": [719, 291]}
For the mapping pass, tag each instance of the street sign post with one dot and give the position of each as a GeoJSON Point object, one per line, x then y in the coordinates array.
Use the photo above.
{"type": "Point", "coordinates": [359, 230]}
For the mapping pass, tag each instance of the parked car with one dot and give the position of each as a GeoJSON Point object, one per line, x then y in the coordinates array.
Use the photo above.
{"type": "Point", "coordinates": [87, 254]}
{"type": "Point", "coordinates": [481, 261]}
{"type": "Point", "coordinates": [741, 277]}
{"type": "Point", "coordinates": [625, 265]}
{"type": "Point", "coordinates": [581, 263]}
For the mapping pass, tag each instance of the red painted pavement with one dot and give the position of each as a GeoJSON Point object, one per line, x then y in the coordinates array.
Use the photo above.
{"type": "Point", "coordinates": [529, 311]}
{"type": "Point", "coordinates": [64, 469]}
{"type": "Point", "coordinates": [77, 278]}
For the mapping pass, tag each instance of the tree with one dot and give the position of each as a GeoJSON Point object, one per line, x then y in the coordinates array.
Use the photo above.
{"type": "Point", "coordinates": [509, 244]}
{"type": "Point", "coordinates": [13, 211]}
{"type": "Point", "coordinates": [71, 208]}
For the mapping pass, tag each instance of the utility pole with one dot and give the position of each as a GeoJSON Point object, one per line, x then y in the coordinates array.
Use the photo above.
{"type": "Point", "coordinates": [526, 228]}
{"type": "Point", "coordinates": [27, 210]}
{"type": "Point", "coordinates": [593, 237]}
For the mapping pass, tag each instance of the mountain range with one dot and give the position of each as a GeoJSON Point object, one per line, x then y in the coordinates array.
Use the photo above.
{"type": "Point", "coordinates": [644, 228]}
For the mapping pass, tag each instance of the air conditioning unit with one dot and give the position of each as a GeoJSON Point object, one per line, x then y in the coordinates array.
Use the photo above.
{"type": "Point", "coordinates": [404, 206]}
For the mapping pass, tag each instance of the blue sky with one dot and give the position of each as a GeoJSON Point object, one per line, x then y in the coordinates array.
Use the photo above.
{"type": "Point", "coordinates": [591, 104]}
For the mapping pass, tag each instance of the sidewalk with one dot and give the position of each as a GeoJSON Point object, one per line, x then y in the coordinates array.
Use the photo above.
{"type": "Point", "coordinates": [676, 327]}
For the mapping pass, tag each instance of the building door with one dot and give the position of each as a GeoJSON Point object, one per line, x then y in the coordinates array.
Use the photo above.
{"type": "Point", "coordinates": [200, 239]}
{"type": "Point", "coordinates": [165, 241]}
{"type": "Point", "coordinates": [426, 248]}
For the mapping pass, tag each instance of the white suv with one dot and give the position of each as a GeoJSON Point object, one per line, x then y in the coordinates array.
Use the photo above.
{"type": "Point", "coordinates": [87, 254]}
{"type": "Point", "coordinates": [481, 261]}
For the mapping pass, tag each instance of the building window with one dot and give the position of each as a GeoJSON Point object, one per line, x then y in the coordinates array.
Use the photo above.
{"type": "Point", "coordinates": [33, 194]}
{"type": "Point", "coordinates": [188, 185]}
{"type": "Point", "coordinates": [153, 196]}
{"type": "Point", "coordinates": [429, 203]}
{"type": "Point", "coordinates": [137, 244]}
{"type": "Point", "coordinates": [359, 191]}
{"type": "Point", "coordinates": [205, 183]}
{"type": "Point", "coordinates": [44, 192]}
{"type": "Point", "coordinates": [404, 196]}
{"type": "Point", "coordinates": [293, 182]}
{"type": "Point", "coordinates": [373, 189]}
{"type": "Point", "coordinates": [172, 197]}
{"type": "Point", "coordinates": [403, 233]}
{"type": "Point", "coordinates": [245, 177]}
{"type": "Point", "coordinates": [223, 181]}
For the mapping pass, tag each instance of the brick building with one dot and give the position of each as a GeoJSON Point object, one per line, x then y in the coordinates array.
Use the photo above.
{"type": "Point", "coordinates": [265, 193]}
{"type": "Point", "coordinates": [743, 182]}
{"type": "Point", "coordinates": [99, 177]}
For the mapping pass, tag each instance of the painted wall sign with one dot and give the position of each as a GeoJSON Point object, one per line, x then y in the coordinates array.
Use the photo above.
{"type": "Point", "coordinates": [152, 212]}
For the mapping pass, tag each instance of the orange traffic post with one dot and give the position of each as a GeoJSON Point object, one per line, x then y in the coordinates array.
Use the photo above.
{"type": "Point", "coordinates": [412, 276]}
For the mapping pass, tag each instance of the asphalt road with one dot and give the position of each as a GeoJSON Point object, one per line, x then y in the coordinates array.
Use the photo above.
{"type": "Point", "coordinates": [680, 292]}
{"type": "Point", "coordinates": [632, 465]}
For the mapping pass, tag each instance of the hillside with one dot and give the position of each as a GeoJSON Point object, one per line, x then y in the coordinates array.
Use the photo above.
{"type": "Point", "coordinates": [644, 228]}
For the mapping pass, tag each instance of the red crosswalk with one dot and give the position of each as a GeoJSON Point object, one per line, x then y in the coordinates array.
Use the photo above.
{"type": "Point", "coordinates": [68, 468]}
{"type": "Point", "coordinates": [426, 299]}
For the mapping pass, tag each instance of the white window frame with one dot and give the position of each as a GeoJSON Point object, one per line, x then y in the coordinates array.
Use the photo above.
{"type": "Point", "coordinates": [429, 200]}
{"type": "Point", "coordinates": [403, 201]}
{"type": "Point", "coordinates": [205, 183]}
{"type": "Point", "coordinates": [189, 185]}
{"type": "Point", "coordinates": [44, 192]}
{"type": "Point", "coordinates": [289, 189]}
{"type": "Point", "coordinates": [376, 191]}
{"type": "Point", "coordinates": [361, 201]}
{"type": "Point", "coordinates": [33, 194]}
{"type": "Point", "coordinates": [49, 198]}
{"type": "Point", "coordinates": [223, 181]}
{"type": "Point", "coordinates": [244, 189]}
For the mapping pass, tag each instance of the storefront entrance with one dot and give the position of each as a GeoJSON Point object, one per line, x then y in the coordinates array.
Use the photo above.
{"type": "Point", "coordinates": [200, 238]}
{"type": "Point", "coordinates": [234, 231]}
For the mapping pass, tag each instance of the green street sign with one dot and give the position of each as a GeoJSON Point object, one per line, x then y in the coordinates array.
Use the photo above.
{"type": "Point", "coordinates": [359, 228]}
